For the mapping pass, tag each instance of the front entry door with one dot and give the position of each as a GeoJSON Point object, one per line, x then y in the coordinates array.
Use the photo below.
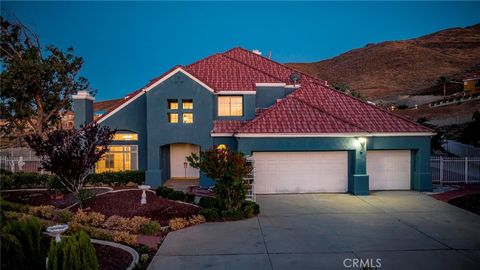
{"type": "Point", "coordinates": [179, 167]}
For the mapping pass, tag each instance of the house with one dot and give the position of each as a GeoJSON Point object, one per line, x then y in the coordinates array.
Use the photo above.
{"type": "Point", "coordinates": [471, 84]}
{"type": "Point", "coordinates": [302, 135]}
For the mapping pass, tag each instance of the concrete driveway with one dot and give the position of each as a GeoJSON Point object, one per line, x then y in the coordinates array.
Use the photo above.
{"type": "Point", "coordinates": [404, 230]}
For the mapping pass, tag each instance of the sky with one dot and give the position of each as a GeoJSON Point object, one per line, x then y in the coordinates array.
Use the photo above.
{"type": "Point", "coordinates": [125, 44]}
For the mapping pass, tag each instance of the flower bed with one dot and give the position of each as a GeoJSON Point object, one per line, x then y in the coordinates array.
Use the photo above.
{"type": "Point", "coordinates": [127, 204]}
{"type": "Point", "coordinates": [45, 197]}
{"type": "Point", "coordinates": [110, 258]}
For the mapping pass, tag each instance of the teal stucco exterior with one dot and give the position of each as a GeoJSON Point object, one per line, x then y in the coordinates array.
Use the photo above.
{"type": "Point", "coordinates": [147, 116]}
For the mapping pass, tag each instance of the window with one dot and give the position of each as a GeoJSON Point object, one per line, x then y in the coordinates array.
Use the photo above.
{"type": "Point", "coordinates": [187, 104]}
{"type": "Point", "coordinates": [187, 118]}
{"type": "Point", "coordinates": [173, 104]}
{"type": "Point", "coordinates": [230, 106]}
{"type": "Point", "coordinates": [125, 137]}
{"type": "Point", "coordinates": [118, 158]}
{"type": "Point", "coordinates": [172, 117]}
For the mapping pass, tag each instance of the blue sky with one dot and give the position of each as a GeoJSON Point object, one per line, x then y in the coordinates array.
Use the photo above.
{"type": "Point", "coordinates": [124, 44]}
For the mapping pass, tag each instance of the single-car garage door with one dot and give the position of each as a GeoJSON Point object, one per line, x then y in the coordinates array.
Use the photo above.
{"type": "Point", "coordinates": [300, 172]}
{"type": "Point", "coordinates": [389, 169]}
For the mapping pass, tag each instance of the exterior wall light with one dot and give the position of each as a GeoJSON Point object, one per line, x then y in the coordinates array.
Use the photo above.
{"type": "Point", "coordinates": [362, 143]}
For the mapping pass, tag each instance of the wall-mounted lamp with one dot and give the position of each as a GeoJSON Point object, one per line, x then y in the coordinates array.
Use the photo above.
{"type": "Point", "coordinates": [361, 142]}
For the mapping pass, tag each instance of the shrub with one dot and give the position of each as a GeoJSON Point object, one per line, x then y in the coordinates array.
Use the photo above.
{"type": "Point", "coordinates": [117, 223]}
{"type": "Point", "coordinates": [232, 215]}
{"type": "Point", "coordinates": [85, 198]}
{"type": "Point", "coordinates": [125, 237]}
{"type": "Point", "coordinates": [151, 228]}
{"type": "Point", "coordinates": [93, 232]}
{"type": "Point", "coordinates": [75, 252]}
{"type": "Point", "coordinates": [196, 219]}
{"type": "Point", "coordinates": [210, 214]}
{"type": "Point", "coordinates": [25, 180]}
{"type": "Point", "coordinates": [164, 191]}
{"type": "Point", "coordinates": [208, 202]}
{"type": "Point", "coordinates": [176, 195]}
{"type": "Point", "coordinates": [43, 211]}
{"type": "Point", "coordinates": [93, 218]}
{"type": "Point", "coordinates": [116, 178]}
{"type": "Point", "coordinates": [11, 206]}
{"type": "Point", "coordinates": [250, 209]}
{"type": "Point", "coordinates": [143, 249]}
{"type": "Point", "coordinates": [144, 258]}
{"type": "Point", "coordinates": [26, 235]}
{"type": "Point", "coordinates": [177, 223]}
{"type": "Point", "coordinates": [190, 198]}
{"type": "Point", "coordinates": [135, 223]}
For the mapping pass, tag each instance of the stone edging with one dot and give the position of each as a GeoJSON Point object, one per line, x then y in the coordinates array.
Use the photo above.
{"type": "Point", "coordinates": [128, 249]}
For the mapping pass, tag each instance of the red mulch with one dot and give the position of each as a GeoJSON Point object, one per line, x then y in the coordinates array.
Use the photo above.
{"type": "Point", "coordinates": [464, 190]}
{"type": "Point", "coordinates": [110, 258]}
{"type": "Point", "coordinates": [44, 197]}
{"type": "Point", "coordinates": [127, 204]}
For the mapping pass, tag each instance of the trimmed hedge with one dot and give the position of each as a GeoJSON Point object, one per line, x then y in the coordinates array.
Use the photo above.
{"type": "Point", "coordinates": [10, 180]}
{"type": "Point", "coordinates": [116, 178]}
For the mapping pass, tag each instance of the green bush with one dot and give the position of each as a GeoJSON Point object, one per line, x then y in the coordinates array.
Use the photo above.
{"type": "Point", "coordinates": [163, 191]}
{"type": "Point", "coordinates": [250, 209]}
{"type": "Point", "coordinates": [85, 198]}
{"type": "Point", "coordinates": [11, 206]}
{"type": "Point", "coordinates": [143, 249]}
{"type": "Point", "coordinates": [23, 239]}
{"type": "Point", "coordinates": [210, 214]}
{"type": "Point", "coordinates": [232, 215]}
{"type": "Point", "coordinates": [116, 178]}
{"type": "Point", "coordinates": [75, 252]}
{"type": "Point", "coordinates": [176, 195]}
{"type": "Point", "coordinates": [190, 198]}
{"type": "Point", "coordinates": [208, 202]}
{"type": "Point", "coordinates": [151, 228]}
{"type": "Point", "coordinates": [25, 180]}
{"type": "Point", "coordinates": [63, 216]}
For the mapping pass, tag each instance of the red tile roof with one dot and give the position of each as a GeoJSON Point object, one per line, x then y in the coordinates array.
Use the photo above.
{"type": "Point", "coordinates": [227, 126]}
{"type": "Point", "coordinates": [312, 108]}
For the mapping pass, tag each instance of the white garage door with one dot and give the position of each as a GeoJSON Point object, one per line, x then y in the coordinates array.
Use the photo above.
{"type": "Point", "coordinates": [300, 172]}
{"type": "Point", "coordinates": [389, 170]}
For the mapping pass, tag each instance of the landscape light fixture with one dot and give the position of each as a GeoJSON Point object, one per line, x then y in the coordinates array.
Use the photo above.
{"type": "Point", "coordinates": [361, 142]}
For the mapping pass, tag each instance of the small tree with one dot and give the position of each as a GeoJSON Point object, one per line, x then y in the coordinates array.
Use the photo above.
{"type": "Point", "coordinates": [227, 168]}
{"type": "Point", "coordinates": [73, 252]}
{"type": "Point", "coordinates": [71, 154]}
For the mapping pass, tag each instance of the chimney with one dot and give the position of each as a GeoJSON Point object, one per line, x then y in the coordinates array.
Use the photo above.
{"type": "Point", "coordinates": [83, 108]}
{"type": "Point", "coordinates": [326, 83]}
{"type": "Point", "coordinates": [255, 51]}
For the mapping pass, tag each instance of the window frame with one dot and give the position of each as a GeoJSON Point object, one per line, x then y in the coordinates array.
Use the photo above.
{"type": "Point", "coordinates": [171, 101]}
{"type": "Point", "coordinates": [110, 163]}
{"type": "Point", "coordinates": [169, 114]}
{"type": "Point", "coordinates": [184, 113]}
{"type": "Point", "coordinates": [185, 101]}
{"type": "Point", "coordinates": [230, 105]}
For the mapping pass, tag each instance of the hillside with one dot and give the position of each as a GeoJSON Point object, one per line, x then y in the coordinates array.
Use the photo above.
{"type": "Point", "coordinates": [389, 69]}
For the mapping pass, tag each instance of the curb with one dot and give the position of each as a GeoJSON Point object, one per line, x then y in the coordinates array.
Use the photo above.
{"type": "Point", "coordinates": [128, 249]}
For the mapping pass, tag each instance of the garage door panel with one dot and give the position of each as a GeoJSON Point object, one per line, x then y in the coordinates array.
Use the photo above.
{"type": "Point", "coordinates": [389, 169]}
{"type": "Point", "coordinates": [300, 172]}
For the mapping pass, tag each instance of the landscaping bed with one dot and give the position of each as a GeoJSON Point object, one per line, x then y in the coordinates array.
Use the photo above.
{"type": "Point", "coordinates": [45, 197]}
{"type": "Point", "coordinates": [111, 258]}
{"type": "Point", "coordinates": [156, 208]}
{"type": "Point", "coordinates": [469, 202]}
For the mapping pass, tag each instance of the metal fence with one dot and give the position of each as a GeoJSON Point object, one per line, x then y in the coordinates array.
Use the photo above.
{"type": "Point", "coordinates": [455, 170]}
{"type": "Point", "coordinates": [20, 165]}
{"type": "Point", "coordinates": [460, 149]}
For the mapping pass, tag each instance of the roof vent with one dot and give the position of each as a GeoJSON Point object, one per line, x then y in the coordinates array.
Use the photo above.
{"type": "Point", "coordinates": [295, 78]}
{"type": "Point", "coordinates": [255, 51]}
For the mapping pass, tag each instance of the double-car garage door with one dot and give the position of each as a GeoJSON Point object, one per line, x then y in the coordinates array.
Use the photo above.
{"type": "Point", "coordinates": [305, 172]}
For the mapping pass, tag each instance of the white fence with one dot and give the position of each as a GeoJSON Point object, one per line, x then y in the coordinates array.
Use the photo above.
{"type": "Point", "coordinates": [19, 164]}
{"type": "Point", "coordinates": [460, 149]}
{"type": "Point", "coordinates": [455, 170]}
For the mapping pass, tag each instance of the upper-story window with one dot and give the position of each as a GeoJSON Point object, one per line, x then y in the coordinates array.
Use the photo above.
{"type": "Point", "coordinates": [172, 118]}
{"type": "Point", "coordinates": [173, 104]}
{"type": "Point", "coordinates": [230, 106]}
{"type": "Point", "coordinates": [125, 137]}
{"type": "Point", "coordinates": [187, 118]}
{"type": "Point", "coordinates": [187, 104]}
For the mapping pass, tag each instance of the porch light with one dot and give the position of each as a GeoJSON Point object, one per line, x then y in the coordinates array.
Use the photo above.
{"type": "Point", "coordinates": [362, 140]}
